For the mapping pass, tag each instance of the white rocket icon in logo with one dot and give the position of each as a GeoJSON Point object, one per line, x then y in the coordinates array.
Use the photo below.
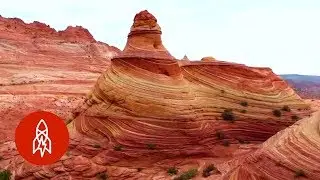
{"type": "Point", "coordinates": [41, 142]}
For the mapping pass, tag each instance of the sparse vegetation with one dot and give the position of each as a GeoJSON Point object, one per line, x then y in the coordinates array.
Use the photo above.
{"type": "Point", "coordinates": [241, 141]}
{"type": "Point", "coordinates": [187, 175]}
{"type": "Point", "coordinates": [209, 170]}
{"type": "Point", "coordinates": [286, 108]}
{"type": "Point", "coordinates": [299, 173]}
{"type": "Point", "coordinates": [228, 115]}
{"type": "Point", "coordinates": [220, 135]}
{"type": "Point", "coordinates": [172, 171]}
{"type": "Point", "coordinates": [117, 147]}
{"type": "Point", "coordinates": [96, 146]}
{"type": "Point", "coordinates": [102, 176]}
{"type": "Point", "coordinates": [243, 111]}
{"type": "Point", "coordinates": [222, 91]}
{"type": "Point", "coordinates": [299, 109]}
{"type": "Point", "coordinates": [68, 153]}
{"type": "Point", "coordinates": [226, 143]}
{"type": "Point", "coordinates": [5, 175]}
{"type": "Point", "coordinates": [277, 113]}
{"type": "Point", "coordinates": [151, 146]}
{"type": "Point", "coordinates": [139, 169]}
{"type": "Point", "coordinates": [295, 117]}
{"type": "Point", "coordinates": [244, 103]}
{"type": "Point", "coordinates": [76, 114]}
{"type": "Point", "coordinates": [69, 121]}
{"type": "Point", "coordinates": [1, 158]}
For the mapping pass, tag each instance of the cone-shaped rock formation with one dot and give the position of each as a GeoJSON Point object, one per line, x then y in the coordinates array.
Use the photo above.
{"type": "Point", "coordinates": [146, 98]}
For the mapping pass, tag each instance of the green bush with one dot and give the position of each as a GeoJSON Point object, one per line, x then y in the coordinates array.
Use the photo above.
{"type": "Point", "coordinates": [117, 148]}
{"type": "Point", "coordinates": [187, 175]}
{"type": "Point", "coordinates": [96, 146]}
{"type": "Point", "coordinates": [299, 173]}
{"type": "Point", "coordinates": [68, 121]}
{"type": "Point", "coordinates": [220, 135]}
{"type": "Point", "coordinates": [172, 171]}
{"type": "Point", "coordinates": [241, 141]}
{"type": "Point", "coordinates": [244, 103]}
{"type": "Point", "coordinates": [210, 169]}
{"type": "Point", "coordinates": [102, 176]}
{"type": "Point", "coordinates": [226, 143]}
{"type": "Point", "coordinates": [243, 111]}
{"type": "Point", "coordinates": [286, 108]}
{"type": "Point", "coordinates": [139, 169]}
{"type": "Point", "coordinates": [5, 175]}
{"type": "Point", "coordinates": [277, 113]}
{"type": "Point", "coordinates": [295, 117]}
{"type": "Point", "coordinates": [151, 146]}
{"type": "Point", "coordinates": [228, 115]}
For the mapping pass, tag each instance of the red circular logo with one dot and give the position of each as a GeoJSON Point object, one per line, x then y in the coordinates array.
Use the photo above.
{"type": "Point", "coordinates": [42, 138]}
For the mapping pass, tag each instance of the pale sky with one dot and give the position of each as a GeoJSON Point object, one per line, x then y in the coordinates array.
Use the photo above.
{"type": "Point", "coordinates": [281, 34]}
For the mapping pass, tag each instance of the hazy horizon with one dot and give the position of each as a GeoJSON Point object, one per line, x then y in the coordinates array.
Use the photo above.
{"type": "Point", "coordinates": [281, 35]}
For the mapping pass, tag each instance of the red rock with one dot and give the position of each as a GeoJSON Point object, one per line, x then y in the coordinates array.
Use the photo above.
{"type": "Point", "coordinates": [168, 115]}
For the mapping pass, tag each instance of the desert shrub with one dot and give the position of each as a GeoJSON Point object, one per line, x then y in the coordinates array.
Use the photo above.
{"type": "Point", "coordinates": [187, 175]}
{"type": "Point", "coordinates": [68, 153]}
{"type": "Point", "coordinates": [139, 169]}
{"type": "Point", "coordinates": [210, 169]}
{"type": "Point", "coordinates": [220, 135]}
{"type": "Point", "coordinates": [172, 171]}
{"type": "Point", "coordinates": [5, 175]}
{"type": "Point", "coordinates": [96, 146]}
{"type": "Point", "coordinates": [69, 121]}
{"type": "Point", "coordinates": [276, 112]}
{"type": "Point", "coordinates": [295, 117]}
{"type": "Point", "coordinates": [226, 143]}
{"type": "Point", "coordinates": [117, 148]}
{"type": "Point", "coordinates": [286, 108]}
{"type": "Point", "coordinates": [299, 109]}
{"type": "Point", "coordinates": [242, 141]}
{"type": "Point", "coordinates": [222, 91]}
{"type": "Point", "coordinates": [151, 146]}
{"type": "Point", "coordinates": [244, 103]}
{"type": "Point", "coordinates": [102, 176]}
{"type": "Point", "coordinates": [76, 114]}
{"type": "Point", "coordinates": [1, 158]}
{"type": "Point", "coordinates": [299, 173]}
{"type": "Point", "coordinates": [243, 111]}
{"type": "Point", "coordinates": [228, 115]}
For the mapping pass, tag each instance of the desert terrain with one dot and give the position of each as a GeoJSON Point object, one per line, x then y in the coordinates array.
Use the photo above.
{"type": "Point", "coordinates": [140, 113]}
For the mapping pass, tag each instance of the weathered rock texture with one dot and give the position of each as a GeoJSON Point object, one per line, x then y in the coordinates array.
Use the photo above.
{"type": "Point", "coordinates": [291, 153]}
{"type": "Point", "coordinates": [147, 111]}
{"type": "Point", "coordinates": [41, 68]}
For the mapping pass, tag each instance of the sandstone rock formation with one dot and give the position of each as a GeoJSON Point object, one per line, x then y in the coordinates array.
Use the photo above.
{"type": "Point", "coordinates": [147, 113]}
{"type": "Point", "coordinates": [41, 68]}
{"type": "Point", "coordinates": [184, 61]}
{"type": "Point", "coordinates": [208, 59]}
{"type": "Point", "coordinates": [291, 153]}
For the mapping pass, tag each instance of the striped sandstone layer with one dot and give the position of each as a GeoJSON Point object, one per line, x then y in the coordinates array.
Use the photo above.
{"type": "Point", "coordinates": [41, 68]}
{"type": "Point", "coordinates": [147, 113]}
{"type": "Point", "coordinates": [291, 153]}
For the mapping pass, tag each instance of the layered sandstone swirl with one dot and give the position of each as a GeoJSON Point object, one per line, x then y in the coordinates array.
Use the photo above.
{"type": "Point", "coordinates": [145, 97]}
{"type": "Point", "coordinates": [147, 113]}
